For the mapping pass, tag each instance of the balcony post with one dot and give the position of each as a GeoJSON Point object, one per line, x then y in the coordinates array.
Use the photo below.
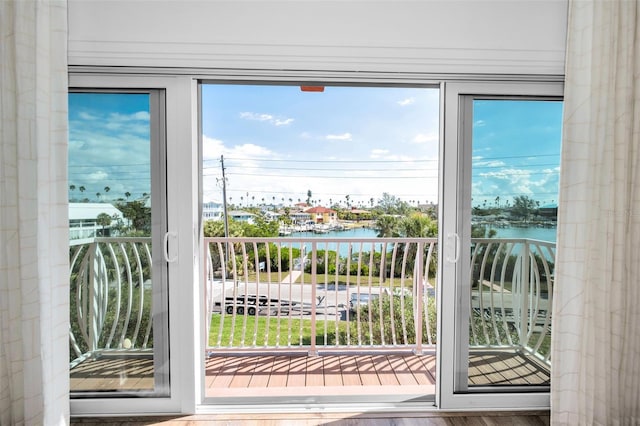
{"type": "Point", "coordinates": [420, 296]}
{"type": "Point", "coordinates": [524, 294]}
{"type": "Point", "coordinates": [314, 282]}
{"type": "Point", "coordinates": [94, 274]}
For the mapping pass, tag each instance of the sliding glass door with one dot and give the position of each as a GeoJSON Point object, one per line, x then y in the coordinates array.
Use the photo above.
{"type": "Point", "coordinates": [499, 257]}
{"type": "Point", "coordinates": [118, 287]}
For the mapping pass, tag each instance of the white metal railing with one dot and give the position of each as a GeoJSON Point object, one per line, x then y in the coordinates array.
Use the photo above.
{"type": "Point", "coordinates": [511, 294]}
{"type": "Point", "coordinates": [316, 294]}
{"type": "Point", "coordinates": [319, 294]}
{"type": "Point", "coordinates": [110, 296]}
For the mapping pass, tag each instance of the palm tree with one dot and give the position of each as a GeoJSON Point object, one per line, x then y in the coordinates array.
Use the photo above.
{"type": "Point", "coordinates": [103, 220]}
{"type": "Point", "coordinates": [98, 195]}
{"type": "Point", "coordinates": [81, 189]}
{"type": "Point", "coordinates": [387, 226]}
{"type": "Point", "coordinates": [127, 194]}
{"type": "Point", "coordinates": [107, 189]}
{"type": "Point", "coordinates": [72, 187]}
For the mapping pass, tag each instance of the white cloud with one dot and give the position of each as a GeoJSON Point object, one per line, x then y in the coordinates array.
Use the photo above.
{"type": "Point", "coordinates": [256, 116]}
{"type": "Point", "coordinates": [488, 164]}
{"type": "Point", "coordinates": [86, 116]}
{"type": "Point", "coordinates": [136, 116]}
{"type": "Point", "coordinates": [378, 153]}
{"type": "Point", "coordinates": [285, 122]}
{"type": "Point", "coordinates": [341, 137]}
{"type": "Point", "coordinates": [508, 182]}
{"type": "Point", "coordinates": [479, 123]}
{"type": "Point", "coordinates": [212, 149]}
{"type": "Point", "coordinates": [269, 118]}
{"type": "Point", "coordinates": [96, 176]}
{"type": "Point", "coordinates": [267, 180]}
{"type": "Point", "coordinates": [141, 115]}
{"type": "Point", "coordinates": [425, 138]}
{"type": "Point", "coordinates": [405, 102]}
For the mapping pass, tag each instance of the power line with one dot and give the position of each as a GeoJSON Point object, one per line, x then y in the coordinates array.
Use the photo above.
{"type": "Point", "coordinates": [109, 165]}
{"type": "Point", "coordinates": [377, 161]}
{"type": "Point", "coordinates": [333, 177]}
{"type": "Point", "coordinates": [323, 169]}
{"type": "Point", "coordinates": [326, 161]}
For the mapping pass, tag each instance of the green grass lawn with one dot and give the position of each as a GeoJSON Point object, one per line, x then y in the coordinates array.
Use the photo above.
{"type": "Point", "coordinates": [261, 327]}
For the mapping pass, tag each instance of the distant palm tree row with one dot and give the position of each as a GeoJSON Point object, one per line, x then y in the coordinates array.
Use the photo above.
{"type": "Point", "coordinates": [106, 189]}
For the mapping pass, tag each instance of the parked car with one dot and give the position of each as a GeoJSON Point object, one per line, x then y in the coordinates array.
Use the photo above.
{"type": "Point", "coordinates": [361, 299]}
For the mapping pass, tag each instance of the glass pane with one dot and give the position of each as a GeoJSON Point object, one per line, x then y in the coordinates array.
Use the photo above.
{"type": "Point", "coordinates": [515, 170]}
{"type": "Point", "coordinates": [309, 170]}
{"type": "Point", "coordinates": [113, 277]}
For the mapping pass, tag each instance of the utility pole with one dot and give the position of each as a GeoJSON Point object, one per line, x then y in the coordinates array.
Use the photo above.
{"type": "Point", "coordinates": [224, 199]}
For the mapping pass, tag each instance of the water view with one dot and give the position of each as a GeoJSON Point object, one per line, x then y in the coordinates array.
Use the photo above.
{"type": "Point", "coordinates": [532, 233]}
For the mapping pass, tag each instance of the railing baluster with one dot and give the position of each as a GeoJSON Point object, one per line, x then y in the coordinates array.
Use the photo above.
{"type": "Point", "coordinates": [116, 318]}
{"type": "Point", "coordinates": [524, 295]}
{"type": "Point", "coordinates": [134, 338]}
{"type": "Point", "coordinates": [426, 296]}
{"type": "Point", "coordinates": [279, 311]}
{"type": "Point", "coordinates": [381, 327]}
{"type": "Point", "coordinates": [245, 302]}
{"type": "Point", "coordinates": [290, 316]}
{"type": "Point", "coordinates": [419, 297]}
{"type": "Point", "coordinates": [269, 298]}
{"type": "Point", "coordinates": [147, 333]}
{"type": "Point", "coordinates": [314, 271]}
{"type": "Point", "coordinates": [258, 293]}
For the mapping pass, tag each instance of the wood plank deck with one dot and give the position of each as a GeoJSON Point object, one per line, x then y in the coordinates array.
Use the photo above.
{"type": "Point", "coordinates": [252, 375]}
{"type": "Point", "coordinates": [327, 375]}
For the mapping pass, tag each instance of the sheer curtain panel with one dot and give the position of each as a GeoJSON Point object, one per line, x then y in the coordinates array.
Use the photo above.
{"type": "Point", "coordinates": [34, 295]}
{"type": "Point", "coordinates": [596, 332]}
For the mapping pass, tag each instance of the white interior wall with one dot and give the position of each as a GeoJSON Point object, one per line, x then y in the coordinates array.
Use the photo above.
{"type": "Point", "coordinates": [428, 36]}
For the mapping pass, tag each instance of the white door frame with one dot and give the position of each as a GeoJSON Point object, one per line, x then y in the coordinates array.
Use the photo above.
{"type": "Point", "coordinates": [455, 213]}
{"type": "Point", "coordinates": [181, 154]}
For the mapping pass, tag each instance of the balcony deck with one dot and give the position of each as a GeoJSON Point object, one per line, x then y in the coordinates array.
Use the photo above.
{"type": "Point", "coordinates": [251, 375]}
{"type": "Point", "coordinates": [268, 313]}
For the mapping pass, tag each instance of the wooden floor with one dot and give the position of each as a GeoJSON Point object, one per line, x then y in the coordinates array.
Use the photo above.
{"type": "Point", "coordinates": [230, 376]}
{"type": "Point", "coordinates": [534, 418]}
{"type": "Point", "coordinates": [331, 374]}
{"type": "Point", "coordinates": [113, 374]}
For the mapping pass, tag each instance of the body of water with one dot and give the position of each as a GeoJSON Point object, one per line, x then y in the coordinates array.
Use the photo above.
{"type": "Point", "coordinates": [534, 233]}
{"type": "Point", "coordinates": [350, 233]}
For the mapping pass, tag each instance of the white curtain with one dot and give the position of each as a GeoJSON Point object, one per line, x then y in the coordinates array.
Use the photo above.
{"type": "Point", "coordinates": [596, 331]}
{"type": "Point", "coordinates": [34, 295]}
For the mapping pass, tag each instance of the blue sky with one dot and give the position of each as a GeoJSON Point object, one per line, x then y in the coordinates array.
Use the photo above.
{"type": "Point", "coordinates": [109, 145]}
{"type": "Point", "coordinates": [358, 141]}
{"type": "Point", "coordinates": [516, 150]}
{"type": "Point", "coordinates": [281, 142]}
